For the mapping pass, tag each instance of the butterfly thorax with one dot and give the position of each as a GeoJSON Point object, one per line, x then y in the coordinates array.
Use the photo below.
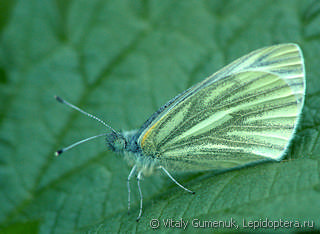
{"type": "Point", "coordinates": [125, 144]}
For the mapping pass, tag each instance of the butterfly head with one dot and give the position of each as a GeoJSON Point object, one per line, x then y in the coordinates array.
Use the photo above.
{"type": "Point", "coordinates": [116, 142]}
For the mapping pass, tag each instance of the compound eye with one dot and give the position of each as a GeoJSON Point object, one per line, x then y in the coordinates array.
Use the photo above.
{"type": "Point", "coordinates": [119, 144]}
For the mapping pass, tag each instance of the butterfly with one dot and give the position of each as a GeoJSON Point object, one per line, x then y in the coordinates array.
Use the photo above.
{"type": "Point", "coordinates": [245, 113]}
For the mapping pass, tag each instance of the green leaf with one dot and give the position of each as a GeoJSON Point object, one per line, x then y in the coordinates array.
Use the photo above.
{"type": "Point", "coordinates": [122, 60]}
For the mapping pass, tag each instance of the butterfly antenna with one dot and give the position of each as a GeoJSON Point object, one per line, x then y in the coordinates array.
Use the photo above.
{"type": "Point", "coordinates": [58, 152]}
{"type": "Point", "coordinates": [59, 99]}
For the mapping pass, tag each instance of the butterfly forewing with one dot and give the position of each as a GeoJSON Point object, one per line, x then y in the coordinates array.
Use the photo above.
{"type": "Point", "coordinates": [246, 112]}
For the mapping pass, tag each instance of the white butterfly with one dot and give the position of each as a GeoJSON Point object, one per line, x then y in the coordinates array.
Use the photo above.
{"type": "Point", "coordinates": [244, 113]}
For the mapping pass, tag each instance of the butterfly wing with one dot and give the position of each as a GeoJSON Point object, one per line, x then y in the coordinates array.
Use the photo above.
{"type": "Point", "coordinates": [248, 111]}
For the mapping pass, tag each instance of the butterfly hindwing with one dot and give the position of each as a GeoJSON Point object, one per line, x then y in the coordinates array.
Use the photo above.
{"type": "Point", "coordinates": [246, 112]}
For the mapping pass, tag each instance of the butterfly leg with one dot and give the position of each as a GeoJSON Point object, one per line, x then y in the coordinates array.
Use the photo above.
{"type": "Point", "coordinates": [133, 170]}
{"type": "Point", "coordinates": [177, 183]}
{"type": "Point", "coordinates": [139, 177]}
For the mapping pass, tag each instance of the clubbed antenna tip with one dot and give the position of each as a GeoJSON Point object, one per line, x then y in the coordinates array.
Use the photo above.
{"type": "Point", "coordinates": [59, 99]}
{"type": "Point", "coordinates": [58, 152]}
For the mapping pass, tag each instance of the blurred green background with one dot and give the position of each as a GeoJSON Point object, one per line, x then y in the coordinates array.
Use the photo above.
{"type": "Point", "coordinates": [122, 60]}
